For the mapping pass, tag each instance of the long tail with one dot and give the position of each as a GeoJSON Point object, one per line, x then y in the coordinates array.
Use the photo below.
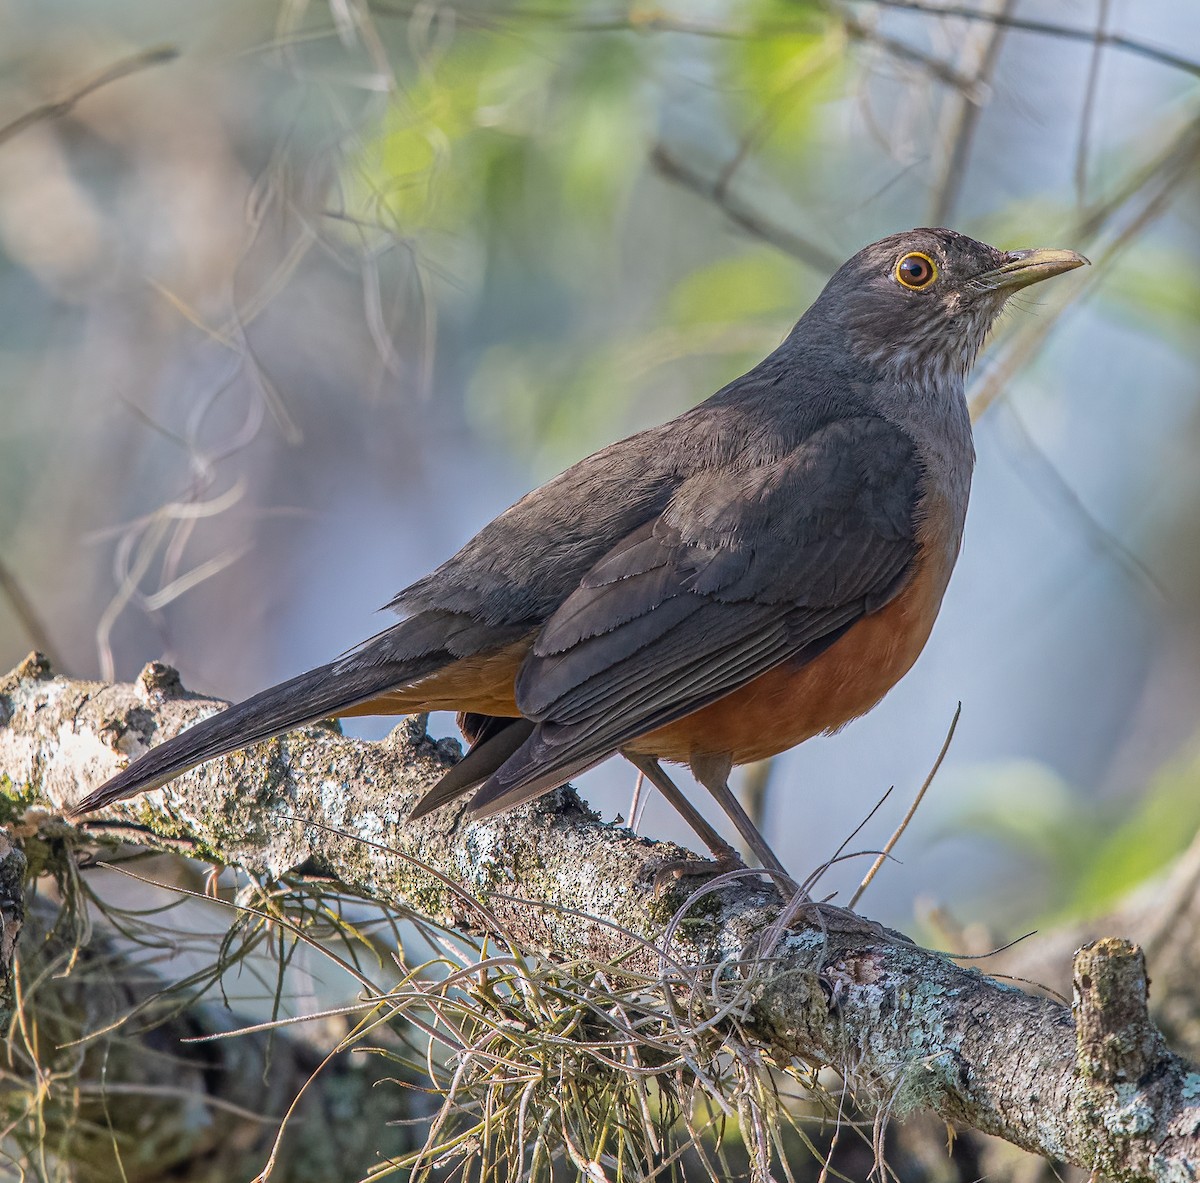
{"type": "Point", "coordinates": [304, 699]}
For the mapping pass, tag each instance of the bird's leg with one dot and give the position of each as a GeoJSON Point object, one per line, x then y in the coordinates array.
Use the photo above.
{"type": "Point", "coordinates": [726, 858]}
{"type": "Point", "coordinates": [713, 773]}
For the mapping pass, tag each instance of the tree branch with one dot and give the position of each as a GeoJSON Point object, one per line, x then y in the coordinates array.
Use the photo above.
{"type": "Point", "coordinates": [907, 1027]}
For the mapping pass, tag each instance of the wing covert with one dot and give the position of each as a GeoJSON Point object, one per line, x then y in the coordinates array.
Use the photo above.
{"type": "Point", "coordinates": [742, 570]}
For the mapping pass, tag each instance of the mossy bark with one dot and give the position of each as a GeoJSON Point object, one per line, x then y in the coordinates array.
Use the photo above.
{"type": "Point", "coordinates": [905, 1025]}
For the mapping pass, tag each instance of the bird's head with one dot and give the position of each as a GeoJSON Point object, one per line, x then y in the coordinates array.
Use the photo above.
{"type": "Point", "coordinates": [916, 306]}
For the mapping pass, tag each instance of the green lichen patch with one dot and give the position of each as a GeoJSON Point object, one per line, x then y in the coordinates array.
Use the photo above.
{"type": "Point", "coordinates": [15, 799]}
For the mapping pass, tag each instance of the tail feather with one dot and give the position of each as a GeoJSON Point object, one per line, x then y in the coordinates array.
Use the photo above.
{"type": "Point", "coordinates": [489, 751]}
{"type": "Point", "coordinates": [516, 783]}
{"type": "Point", "coordinates": [304, 699]}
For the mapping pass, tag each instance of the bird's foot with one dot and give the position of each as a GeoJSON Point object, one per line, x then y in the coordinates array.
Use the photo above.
{"type": "Point", "coordinates": [843, 921]}
{"type": "Point", "coordinates": [669, 873]}
{"type": "Point", "coordinates": [722, 863]}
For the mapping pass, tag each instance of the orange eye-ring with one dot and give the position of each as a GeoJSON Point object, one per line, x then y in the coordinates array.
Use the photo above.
{"type": "Point", "coordinates": [916, 271]}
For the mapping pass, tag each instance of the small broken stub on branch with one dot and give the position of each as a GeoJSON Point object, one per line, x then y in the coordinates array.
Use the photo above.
{"type": "Point", "coordinates": [159, 680]}
{"type": "Point", "coordinates": [1115, 1041]}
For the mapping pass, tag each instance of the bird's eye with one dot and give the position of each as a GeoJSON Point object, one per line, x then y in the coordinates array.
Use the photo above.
{"type": "Point", "coordinates": [916, 271]}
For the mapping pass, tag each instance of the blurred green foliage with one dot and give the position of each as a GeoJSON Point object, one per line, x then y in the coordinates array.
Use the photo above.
{"type": "Point", "coordinates": [494, 136]}
{"type": "Point", "coordinates": [755, 283]}
{"type": "Point", "coordinates": [782, 78]}
{"type": "Point", "coordinates": [1150, 291]}
{"type": "Point", "coordinates": [1087, 853]}
{"type": "Point", "coordinates": [519, 155]}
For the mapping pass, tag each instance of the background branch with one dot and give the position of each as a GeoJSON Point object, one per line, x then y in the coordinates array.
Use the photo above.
{"type": "Point", "coordinates": [114, 73]}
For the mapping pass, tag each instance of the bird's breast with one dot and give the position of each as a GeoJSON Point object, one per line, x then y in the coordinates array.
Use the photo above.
{"type": "Point", "coordinates": [797, 700]}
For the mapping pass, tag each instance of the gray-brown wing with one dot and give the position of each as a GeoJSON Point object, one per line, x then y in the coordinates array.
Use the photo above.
{"type": "Point", "coordinates": [744, 569]}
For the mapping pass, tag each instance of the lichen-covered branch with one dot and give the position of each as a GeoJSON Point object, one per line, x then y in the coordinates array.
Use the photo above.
{"type": "Point", "coordinates": [907, 1026]}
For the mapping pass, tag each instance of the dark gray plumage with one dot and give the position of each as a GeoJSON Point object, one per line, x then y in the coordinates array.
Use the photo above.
{"type": "Point", "coordinates": [664, 573]}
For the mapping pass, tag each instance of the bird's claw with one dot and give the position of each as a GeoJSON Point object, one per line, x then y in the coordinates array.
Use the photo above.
{"type": "Point", "coordinates": [845, 922]}
{"type": "Point", "coordinates": [669, 873]}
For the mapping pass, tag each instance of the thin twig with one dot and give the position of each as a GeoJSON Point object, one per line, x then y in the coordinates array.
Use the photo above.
{"type": "Point", "coordinates": [122, 69]}
{"type": "Point", "coordinates": [1091, 89]}
{"type": "Point", "coordinates": [966, 121]}
{"type": "Point", "coordinates": [935, 67]}
{"type": "Point", "coordinates": [1127, 559]}
{"type": "Point", "coordinates": [912, 809]}
{"type": "Point", "coordinates": [1049, 29]}
{"type": "Point", "coordinates": [674, 168]}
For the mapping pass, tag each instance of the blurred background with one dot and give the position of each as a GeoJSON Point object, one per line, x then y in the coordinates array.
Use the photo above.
{"type": "Point", "coordinates": [296, 296]}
